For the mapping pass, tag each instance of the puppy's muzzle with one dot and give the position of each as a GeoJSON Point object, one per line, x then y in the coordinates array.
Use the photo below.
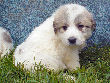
{"type": "Point", "coordinates": [72, 40]}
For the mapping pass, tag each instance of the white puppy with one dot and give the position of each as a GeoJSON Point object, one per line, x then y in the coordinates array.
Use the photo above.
{"type": "Point", "coordinates": [5, 42]}
{"type": "Point", "coordinates": [57, 41]}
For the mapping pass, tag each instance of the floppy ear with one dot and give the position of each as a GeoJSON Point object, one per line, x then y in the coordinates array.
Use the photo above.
{"type": "Point", "coordinates": [93, 25]}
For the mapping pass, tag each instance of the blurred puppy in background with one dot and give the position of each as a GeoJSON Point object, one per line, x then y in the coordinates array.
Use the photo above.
{"type": "Point", "coordinates": [5, 42]}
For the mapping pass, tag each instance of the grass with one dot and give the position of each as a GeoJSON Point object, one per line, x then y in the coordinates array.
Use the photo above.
{"type": "Point", "coordinates": [95, 68]}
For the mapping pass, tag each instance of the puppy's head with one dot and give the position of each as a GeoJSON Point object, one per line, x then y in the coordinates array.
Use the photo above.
{"type": "Point", "coordinates": [73, 24]}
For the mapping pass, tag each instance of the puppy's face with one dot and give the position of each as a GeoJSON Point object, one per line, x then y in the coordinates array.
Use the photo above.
{"type": "Point", "coordinates": [73, 24]}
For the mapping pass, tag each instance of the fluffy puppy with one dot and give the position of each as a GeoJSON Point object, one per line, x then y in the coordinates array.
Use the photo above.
{"type": "Point", "coordinates": [57, 41]}
{"type": "Point", "coordinates": [5, 42]}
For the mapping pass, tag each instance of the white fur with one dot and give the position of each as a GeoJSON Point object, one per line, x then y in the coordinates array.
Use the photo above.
{"type": "Point", "coordinates": [52, 50]}
{"type": "Point", "coordinates": [5, 46]}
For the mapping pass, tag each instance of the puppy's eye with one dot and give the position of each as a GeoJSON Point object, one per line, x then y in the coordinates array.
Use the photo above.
{"type": "Point", "coordinates": [64, 28]}
{"type": "Point", "coordinates": [80, 26]}
{"type": "Point", "coordinates": [87, 27]}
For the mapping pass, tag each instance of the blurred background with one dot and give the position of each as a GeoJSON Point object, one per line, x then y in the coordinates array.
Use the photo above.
{"type": "Point", "coordinates": [20, 17]}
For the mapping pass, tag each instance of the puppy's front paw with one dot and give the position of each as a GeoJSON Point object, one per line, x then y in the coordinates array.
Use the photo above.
{"type": "Point", "coordinates": [73, 65]}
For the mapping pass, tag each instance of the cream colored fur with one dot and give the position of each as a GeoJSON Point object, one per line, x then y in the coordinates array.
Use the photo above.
{"type": "Point", "coordinates": [50, 46]}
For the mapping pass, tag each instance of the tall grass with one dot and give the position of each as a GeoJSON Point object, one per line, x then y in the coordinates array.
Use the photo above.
{"type": "Point", "coordinates": [95, 68]}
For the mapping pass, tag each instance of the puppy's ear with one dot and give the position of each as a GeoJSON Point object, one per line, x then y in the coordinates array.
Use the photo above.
{"type": "Point", "coordinates": [93, 25]}
{"type": "Point", "coordinates": [55, 27]}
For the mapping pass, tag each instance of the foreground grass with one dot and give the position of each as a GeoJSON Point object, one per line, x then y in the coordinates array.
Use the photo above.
{"type": "Point", "coordinates": [95, 69]}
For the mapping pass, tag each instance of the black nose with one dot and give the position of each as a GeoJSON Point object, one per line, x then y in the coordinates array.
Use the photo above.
{"type": "Point", "coordinates": [72, 40]}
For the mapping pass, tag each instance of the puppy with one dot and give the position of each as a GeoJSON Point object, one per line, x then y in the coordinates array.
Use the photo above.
{"type": "Point", "coordinates": [5, 42]}
{"type": "Point", "coordinates": [57, 41]}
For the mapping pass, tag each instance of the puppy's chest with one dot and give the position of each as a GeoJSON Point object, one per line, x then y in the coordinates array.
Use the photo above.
{"type": "Point", "coordinates": [64, 52]}
{"type": "Point", "coordinates": [67, 54]}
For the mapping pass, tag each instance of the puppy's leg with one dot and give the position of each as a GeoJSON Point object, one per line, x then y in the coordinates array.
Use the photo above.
{"type": "Point", "coordinates": [72, 62]}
